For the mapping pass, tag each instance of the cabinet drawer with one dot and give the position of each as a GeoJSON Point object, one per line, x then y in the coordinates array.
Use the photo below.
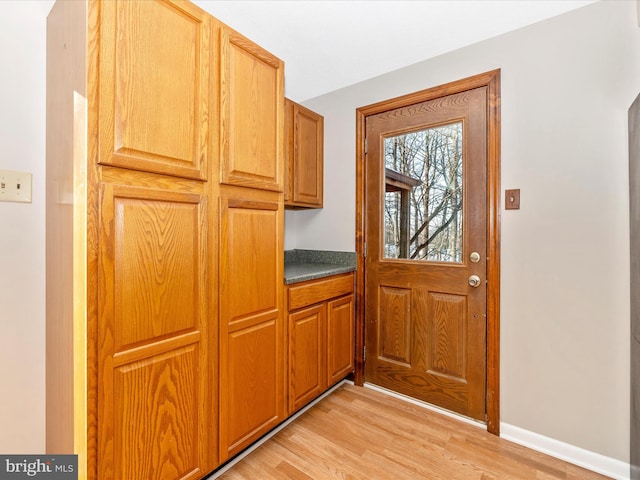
{"type": "Point", "coordinates": [316, 291]}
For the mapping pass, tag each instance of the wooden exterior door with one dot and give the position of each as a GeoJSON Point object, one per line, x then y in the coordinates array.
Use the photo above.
{"type": "Point", "coordinates": [426, 238]}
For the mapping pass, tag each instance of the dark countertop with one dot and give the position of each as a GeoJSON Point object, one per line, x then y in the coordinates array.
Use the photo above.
{"type": "Point", "coordinates": [303, 265]}
{"type": "Point", "coordinates": [301, 272]}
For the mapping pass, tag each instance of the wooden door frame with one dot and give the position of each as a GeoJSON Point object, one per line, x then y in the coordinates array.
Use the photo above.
{"type": "Point", "coordinates": [491, 80]}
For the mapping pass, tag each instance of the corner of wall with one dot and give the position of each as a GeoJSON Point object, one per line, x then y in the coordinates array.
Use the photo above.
{"type": "Point", "coordinates": [595, 462]}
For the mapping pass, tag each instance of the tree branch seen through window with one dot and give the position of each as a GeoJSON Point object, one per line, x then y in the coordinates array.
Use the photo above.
{"type": "Point", "coordinates": [423, 199]}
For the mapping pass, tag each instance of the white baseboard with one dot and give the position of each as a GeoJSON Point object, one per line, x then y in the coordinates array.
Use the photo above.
{"type": "Point", "coordinates": [569, 453]}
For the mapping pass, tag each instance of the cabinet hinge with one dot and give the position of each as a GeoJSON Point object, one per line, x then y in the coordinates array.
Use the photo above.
{"type": "Point", "coordinates": [365, 249]}
{"type": "Point", "coordinates": [366, 146]}
{"type": "Point", "coordinates": [364, 354]}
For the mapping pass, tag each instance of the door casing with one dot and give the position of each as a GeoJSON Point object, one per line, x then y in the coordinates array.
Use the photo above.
{"type": "Point", "coordinates": [491, 80]}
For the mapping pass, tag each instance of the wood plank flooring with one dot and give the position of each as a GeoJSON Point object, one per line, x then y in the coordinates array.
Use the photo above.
{"type": "Point", "coordinates": [362, 434]}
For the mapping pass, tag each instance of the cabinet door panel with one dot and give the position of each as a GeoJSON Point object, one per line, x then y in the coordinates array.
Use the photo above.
{"type": "Point", "coordinates": [155, 426]}
{"type": "Point", "coordinates": [157, 267]}
{"type": "Point", "coordinates": [251, 248]}
{"type": "Point", "coordinates": [340, 338]}
{"type": "Point", "coordinates": [307, 371]}
{"type": "Point", "coordinates": [154, 87]}
{"type": "Point", "coordinates": [154, 410]}
{"type": "Point", "coordinates": [252, 362]}
{"type": "Point", "coordinates": [253, 107]}
{"type": "Point", "coordinates": [307, 159]}
{"type": "Point", "coordinates": [251, 330]}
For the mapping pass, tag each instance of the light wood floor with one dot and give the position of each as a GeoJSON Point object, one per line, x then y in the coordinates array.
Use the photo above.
{"type": "Point", "coordinates": [361, 434]}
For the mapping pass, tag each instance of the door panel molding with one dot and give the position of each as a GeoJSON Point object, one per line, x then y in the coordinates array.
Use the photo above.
{"type": "Point", "coordinates": [490, 80]}
{"type": "Point", "coordinates": [441, 360]}
{"type": "Point", "coordinates": [394, 336]}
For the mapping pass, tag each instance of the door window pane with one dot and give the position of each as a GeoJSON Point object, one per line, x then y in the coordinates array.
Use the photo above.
{"type": "Point", "coordinates": [423, 194]}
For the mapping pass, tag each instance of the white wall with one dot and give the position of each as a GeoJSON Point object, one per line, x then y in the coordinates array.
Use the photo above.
{"type": "Point", "coordinates": [22, 229]}
{"type": "Point", "coordinates": [566, 86]}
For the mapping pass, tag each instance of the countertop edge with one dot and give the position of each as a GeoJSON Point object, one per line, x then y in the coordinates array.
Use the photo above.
{"type": "Point", "coordinates": [302, 272]}
{"type": "Point", "coordinates": [303, 265]}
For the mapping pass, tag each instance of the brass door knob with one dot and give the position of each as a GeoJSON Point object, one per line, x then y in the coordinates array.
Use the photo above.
{"type": "Point", "coordinates": [474, 281]}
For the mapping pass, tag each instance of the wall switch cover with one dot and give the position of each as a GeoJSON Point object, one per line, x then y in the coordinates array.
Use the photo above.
{"type": "Point", "coordinates": [15, 186]}
{"type": "Point", "coordinates": [512, 199]}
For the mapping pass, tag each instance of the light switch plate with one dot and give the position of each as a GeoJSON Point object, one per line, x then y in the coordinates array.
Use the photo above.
{"type": "Point", "coordinates": [15, 186]}
{"type": "Point", "coordinates": [512, 199]}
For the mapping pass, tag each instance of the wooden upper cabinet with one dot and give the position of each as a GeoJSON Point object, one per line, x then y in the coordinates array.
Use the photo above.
{"type": "Point", "coordinates": [252, 109]}
{"type": "Point", "coordinates": [156, 110]}
{"type": "Point", "coordinates": [304, 147]}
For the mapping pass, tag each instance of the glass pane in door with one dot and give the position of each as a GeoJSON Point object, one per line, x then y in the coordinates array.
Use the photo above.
{"type": "Point", "coordinates": [423, 194]}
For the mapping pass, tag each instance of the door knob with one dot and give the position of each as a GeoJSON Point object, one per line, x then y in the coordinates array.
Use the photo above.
{"type": "Point", "coordinates": [474, 281]}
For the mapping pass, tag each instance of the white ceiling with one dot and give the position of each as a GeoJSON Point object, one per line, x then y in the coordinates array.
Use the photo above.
{"type": "Point", "coordinates": [330, 44]}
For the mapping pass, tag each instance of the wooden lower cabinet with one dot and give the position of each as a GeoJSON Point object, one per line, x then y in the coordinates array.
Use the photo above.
{"type": "Point", "coordinates": [321, 329]}
{"type": "Point", "coordinates": [340, 341]}
{"type": "Point", "coordinates": [153, 332]}
{"type": "Point", "coordinates": [307, 355]}
{"type": "Point", "coordinates": [252, 360]}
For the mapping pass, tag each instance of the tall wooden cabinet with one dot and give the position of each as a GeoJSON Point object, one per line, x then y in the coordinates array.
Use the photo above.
{"type": "Point", "coordinates": [252, 359]}
{"type": "Point", "coordinates": [131, 222]}
{"type": "Point", "coordinates": [154, 345]}
{"type": "Point", "coordinates": [164, 288]}
{"type": "Point", "coordinates": [252, 368]}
